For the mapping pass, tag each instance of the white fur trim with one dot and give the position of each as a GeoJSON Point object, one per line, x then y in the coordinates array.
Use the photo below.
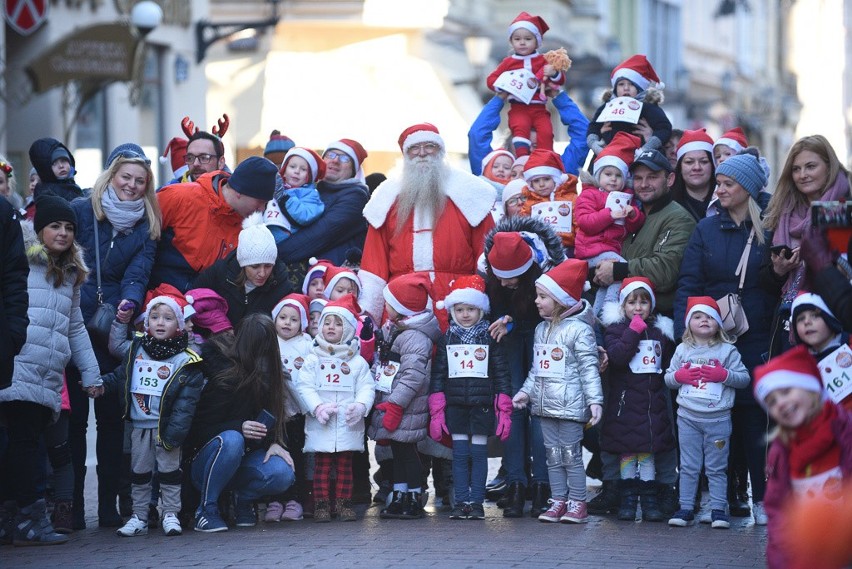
{"type": "Point", "coordinates": [625, 292]}
{"type": "Point", "coordinates": [396, 304]}
{"type": "Point", "coordinates": [611, 313]}
{"type": "Point", "coordinates": [171, 303]}
{"type": "Point", "coordinates": [514, 272]}
{"type": "Point", "coordinates": [493, 155]}
{"type": "Point", "coordinates": [313, 268]}
{"type": "Point", "coordinates": [605, 161]}
{"type": "Point", "coordinates": [343, 275]}
{"type": "Point", "coordinates": [709, 311]}
{"type": "Point", "coordinates": [694, 145]}
{"type": "Point", "coordinates": [784, 378]}
{"type": "Point", "coordinates": [665, 325]}
{"type": "Point", "coordinates": [811, 298]}
{"type": "Point", "coordinates": [467, 296]}
{"type": "Point", "coordinates": [521, 141]}
{"type": "Point", "coordinates": [419, 136]}
{"type": "Point", "coordinates": [472, 195]}
{"type": "Point", "coordinates": [295, 304]}
{"type": "Point", "coordinates": [731, 143]}
{"type": "Point", "coordinates": [346, 315]}
{"type": "Point", "coordinates": [306, 156]}
{"type": "Point", "coordinates": [423, 243]}
{"type": "Point", "coordinates": [526, 25]}
{"type": "Point", "coordinates": [321, 301]}
{"type": "Point", "coordinates": [556, 291]}
{"type": "Point", "coordinates": [632, 75]}
{"type": "Point", "coordinates": [371, 297]}
{"type": "Point", "coordinates": [540, 171]}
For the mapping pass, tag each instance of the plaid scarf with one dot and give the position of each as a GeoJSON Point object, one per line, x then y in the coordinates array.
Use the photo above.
{"type": "Point", "coordinates": [473, 335]}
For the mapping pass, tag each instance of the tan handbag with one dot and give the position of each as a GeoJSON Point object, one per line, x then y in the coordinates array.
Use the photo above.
{"type": "Point", "coordinates": [734, 320]}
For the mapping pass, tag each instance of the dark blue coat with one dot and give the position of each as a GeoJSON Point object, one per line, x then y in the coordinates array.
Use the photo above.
{"type": "Point", "coordinates": [40, 153]}
{"type": "Point", "coordinates": [14, 298]}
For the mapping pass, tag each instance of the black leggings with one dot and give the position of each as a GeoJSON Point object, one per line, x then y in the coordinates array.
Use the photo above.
{"type": "Point", "coordinates": [406, 464]}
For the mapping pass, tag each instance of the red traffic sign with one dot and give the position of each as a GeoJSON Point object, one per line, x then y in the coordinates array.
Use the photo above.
{"type": "Point", "coordinates": [25, 16]}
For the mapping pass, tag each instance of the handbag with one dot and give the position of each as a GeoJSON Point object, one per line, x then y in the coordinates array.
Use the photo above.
{"type": "Point", "coordinates": [100, 322]}
{"type": "Point", "coordinates": [734, 319]}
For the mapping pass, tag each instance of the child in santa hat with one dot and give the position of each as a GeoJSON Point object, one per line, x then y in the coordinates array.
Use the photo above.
{"type": "Point", "coordinates": [313, 285]}
{"type": "Point", "coordinates": [162, 382]}
{"type": "Point", "coordinates": [604, 213]}
{"type": "Point", "coordinates": [550, 194]}
{"type": "Point", "coordinates": [402, 387]}
{"type": "Point", "coordinates": [811, 455]}
{"type": "Point", "coordinates": [816, 326]}
{"type": "Point", "coordinates": [342, 281]}
{"type": "Point", "coordinates": [497, 171]}
{"type": "Point", "coordinates": [471, 392]}
{"type": "Point", "coordinates": [636, 79]}
{"type": "Point", "coordinates": [636, 425]}
{"type": "Point", "coordinates": [525, 36]}
{"type": "Point", "coordinates": [336, 387]}
{"type": "Point", "coordinates": [729, 144]}
{"type": "Point", "coordinates": [564, 385]}
{"type": "Point", "coordinates": [298, 204]}
{"type": "Point", "coordinates": [120, 335]}
{"type": "Point", "coordinates": [705, 369]}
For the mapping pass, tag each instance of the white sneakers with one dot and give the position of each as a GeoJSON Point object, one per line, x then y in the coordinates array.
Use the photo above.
{"type": "Point", "coordinates": [171, 524]}
{"type": "Point", "coordinates": [759, 513]}
{"type": "Point", "coordinates": [135, 526]}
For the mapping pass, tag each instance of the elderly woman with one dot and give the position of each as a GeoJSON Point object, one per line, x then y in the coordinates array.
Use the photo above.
{"type": "Point", "coordinates": [694, 175]}
{"type": "Point", "coordinates": [124, 207]}
{"type": "Point", "coordinates": [709, 268]}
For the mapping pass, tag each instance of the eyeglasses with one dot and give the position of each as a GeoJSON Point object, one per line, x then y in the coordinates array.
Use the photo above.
{"type": "Point", "coordinates": [339, 156]}
{"type": "Point", "coordinates": [418, 149]}
{"type": "Point", "coordinates": [202, 158]}
{"type": "Point", "coordinates": [516, 201]}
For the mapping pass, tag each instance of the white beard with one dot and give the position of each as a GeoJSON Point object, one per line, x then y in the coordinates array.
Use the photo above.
{"type": "Point", "coordinates": [423, 183]}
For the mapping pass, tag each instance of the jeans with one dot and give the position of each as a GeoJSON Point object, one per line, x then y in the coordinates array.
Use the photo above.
{"type": "Point", "coordinates": [223, 464]}
{"type": "Point", "coordinates": [470, 470]}
{"type": "Point", "coordinates": [525, 438]}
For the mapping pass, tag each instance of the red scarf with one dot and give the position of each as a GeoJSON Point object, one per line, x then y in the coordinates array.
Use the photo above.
{"type": "Point", "coordinates": [813, 449]}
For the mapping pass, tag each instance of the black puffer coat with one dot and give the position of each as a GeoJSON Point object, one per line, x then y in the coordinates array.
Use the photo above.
{"type": "Point", "coordinates": [471, 391]}
{"type": "Point", "coordinates": [41, 152]}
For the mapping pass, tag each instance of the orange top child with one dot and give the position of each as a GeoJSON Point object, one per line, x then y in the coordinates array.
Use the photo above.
{"type": "Point", "coordinates": [550, 194]}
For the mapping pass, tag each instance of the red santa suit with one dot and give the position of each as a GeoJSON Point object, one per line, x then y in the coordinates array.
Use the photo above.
{"type": "Point", "coordinates": [446, 252]}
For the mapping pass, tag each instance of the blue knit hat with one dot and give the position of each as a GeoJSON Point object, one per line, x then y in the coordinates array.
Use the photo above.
{"type": "Point", "coordinates": [278, 143]}
{"type": "Point", "coordinates": [254, 177]}
{"type": "Point", "coordinates": [127, 150]}
{"type": "Point", "coordinates": [746, 170]}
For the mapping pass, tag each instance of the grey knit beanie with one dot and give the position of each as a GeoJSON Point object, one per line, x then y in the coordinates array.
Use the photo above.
{"type": "Point", "coordinates": [745, 168]}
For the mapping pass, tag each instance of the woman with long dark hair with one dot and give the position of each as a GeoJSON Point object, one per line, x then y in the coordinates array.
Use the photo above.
{"type": "Point", "coordinates": [695, 175]}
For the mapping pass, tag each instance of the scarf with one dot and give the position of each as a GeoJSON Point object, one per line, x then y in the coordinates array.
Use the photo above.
{"type": "Point", "coordinates": [344, 350]}
{"type": "Point", "coordinates": [472, 335]}
{"type": "Point", "coordinates": [164, 349]}
{"type": "Point", "coordinates": [122, 215]}
{"type": "Point", "coordinates": [814, 449]}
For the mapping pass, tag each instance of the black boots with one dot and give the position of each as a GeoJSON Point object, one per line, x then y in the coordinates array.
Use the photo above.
{"type": "Point", "coordinates": [396, 506]}
{"type": "Point", "coordinates": [403, 506]}
{"type": "Point", "coordinates": [668, 499]}
{"type": "Point", "coordinates": [516, 497]}
{"type": "Point", "coordinates": [650, 505]}
{"type": "Point", "coordinates": [607, 500]}
{"type": "Point", "coordinates": [629, 493]}
{"type": "Point", "coordinates": [540, 496]}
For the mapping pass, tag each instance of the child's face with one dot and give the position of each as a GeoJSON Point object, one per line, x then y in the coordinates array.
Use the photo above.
{"type": "Point", "coordinates": [466, 315]}
{"type": "Point", "coordinates": [297, 172]}
{"type": "Point", "coordinates": [332, 329]}
{"type": "Point", "coordinates": [637, 305]}
{"type": "Point", "coordinates": [501, 167]}
{"type": "Point", "coordinates": [61, 168]}
{"type": "Point", "coordinates": [792, 407]}
{"type": "Point", "coordinates": [523, 42]}
{"type": "Point", "coordinates": [188, 325]}
{"type": "Point", "coordinates": [542, 186]}
{"type": "Point", "coordinates": [393, 315]}
{"type": "Point", "coordinates": [517, 171]}
{"type": "Point", "coordinates": [162, 322]}
{"type": "Point", "coordinates": [34, 180]}
{"type": "Point", "coordinates": [316, 288]}
{"type": "Point", "coordinates": [625, 88]}
{"type": "Point", "coordinates": [342, 287]}
{"type": "Point", "coordinates": [611, 179]}
{"type": "Point", "coordinates": [703, 327]}
{"type": "Point", "coordinates": [288, 323]}
{"type": "Point", "coordinates": [722, 152]}
{"type": "Point", "coordinates": [313, 323]}
{"type": "Point", "coordinates": [812, 329]}
{"type": "Point", "coordinates": [545, 303]}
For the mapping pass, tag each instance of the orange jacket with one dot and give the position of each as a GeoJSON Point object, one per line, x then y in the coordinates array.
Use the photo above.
{"type": "Point", "coordinates": [565, 192]}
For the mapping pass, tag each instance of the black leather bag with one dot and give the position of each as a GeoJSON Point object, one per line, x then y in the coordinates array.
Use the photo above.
{"type": "Point", "coordinates": [101, 321]}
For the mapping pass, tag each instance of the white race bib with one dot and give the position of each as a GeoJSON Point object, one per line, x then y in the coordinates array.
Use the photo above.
{"type": "Point", "coordinates": [335, 375]}
{"type": "Point", "coordinates": [616, 201]}
{"type": "Point", "coordinates": [827, 486]}
{"type": "Point", "coordinates": [707, 391]}
{"type": "Point", "coordinates": [621, 109]}
{"type": "Point", "coordinates": [647, 357]}
{"type": "Point", "coordinates": [549, 360]}
{"type": "Point", "coordinates": [557, 215]}
{"type": "Point", "coordinates": [836, 372]}
{"type": "Point", "coordinates": [521, 84]}
{"type": "Point", "coordinates": [273, 216]}
{"type": "Point", "coordinates": [467, 360]}
{"type": "Point", "coordinates": [150, 377]}
{"type": "Point", "coordinates": [497, 212]}
{"type": "Point", "coordinates": [385, 375]}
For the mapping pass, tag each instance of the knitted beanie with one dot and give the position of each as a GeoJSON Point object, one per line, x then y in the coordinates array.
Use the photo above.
{"type": "Point", "coordinates": [256, 245]}
{"type": "Point", "coordinates": [746, 170]}
{"type": "Point", "coordinates": [50, 208]}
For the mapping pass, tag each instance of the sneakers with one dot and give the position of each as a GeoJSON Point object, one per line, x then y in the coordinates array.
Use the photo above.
{"type": "Point", "coordinates": [759, 513]}
{"type": "Point", "coordinates": [244, 514]}
{"type": "Point", "coordinates": [292, 511]}
{"type": "Point", "coordinates": [555, 512]}
{"type": "Point", "coordinates": [705, 516]}
{"type": "Point", "coordinates": [719, 519]}
{"type": "Point", "coordinates": [209, 522]}
{"type": "Point", "coordinates": [475, 511]}
{"type": "Point", "coordinates": [31, 527]}
{"type": "Point", "coordinates": [682, 519]}
{"type": "Point", "coordinates": [575, 513]}
{"type": "Point", "coordinates": [171, 524]}
{"type": "Point", "coordinates": [274, 511]}
{"type": "Point", "coordinates": [133, 527]}
{"type": "Point", "coordinates": [460, 511]}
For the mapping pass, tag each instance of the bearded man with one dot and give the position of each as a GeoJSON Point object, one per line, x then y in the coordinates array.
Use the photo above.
{"type": "Point", "coordinates": [432, 219]}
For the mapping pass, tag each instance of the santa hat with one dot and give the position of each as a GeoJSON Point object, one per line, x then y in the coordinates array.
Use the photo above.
{"type": "Point", "coordinates": [333, 275]}
{"type": "Point", "coordinates": [810, 301]}
{"type": "Point", "coordinates": [694, 140]}
{"type": "Point", "coordinates": [544, 163]}
{"type": "Point", "coordinates": [510, 256]}
{"type": "Point", "coordinates": [419, 133]}
{"type": "Point", "coordinates": [489, 159]}
{"type": "Point", "coordinates": [211, 310]}
{"type": "Point", "coordinates": [316, 270]}
{"type": "Point", "coordinates": [174, 299]}
{"type": "Point", "coordinates": [794, 368]}
{"type": "Point", "coordinates": [176, 147]}
{"type": "Point", "coordinates": [512, 189]}
{"type": "Point", "coordinates": [631, 284]}
{"type": "Point", "coordinates": [315, 162]}
{"type": "Point", "coordinates": [468, 289]}
{"type": "Point", "coordinates": [565, 282]}
{"type": "Point", "coordinates": [346, 307]}
{"type": "Point", "coordinates": [704, 304]}
{"type": "Point", "coordinates": [734, 139]}
{"type": "Point", "coordinates": [256, 245]}
{"type": "Point", "coordinates": [409, 294]}
{"type": "Point", "coordinates": [534, 24]}
{"type": "Point", "coordinates": [298, 301]}
{"type": "Point", "coordinates": [638, 70]}
{"type": "Point", "coordinates": [619, 153]}
{"type": "Point", "coordinates": [354, 150]}
{"type": "Point", "coordinates": [317, 304]}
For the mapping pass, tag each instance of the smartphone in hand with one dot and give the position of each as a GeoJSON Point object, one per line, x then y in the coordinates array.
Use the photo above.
{"type": "Point", "coordinates": [267, 419]}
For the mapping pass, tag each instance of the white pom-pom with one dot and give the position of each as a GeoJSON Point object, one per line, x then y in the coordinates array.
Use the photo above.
{"type": "Point", "coordinates": [439, 305]}
{"type": "Point", "coordinates": [189, 299]}
{"type": "Point", "coordinates": [313, 261]}
{"type": "Point", "coordinates": [163, 159]}
{"type": "Point", "coordinates": [586, 286]}
{"type": "Point", "coordinates": [661, 86]}
{"type": "Point", "coordinates": [254, 219]}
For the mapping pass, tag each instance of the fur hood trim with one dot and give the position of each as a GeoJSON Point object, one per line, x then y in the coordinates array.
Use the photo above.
{"type": "Point", "coordinates": [472, 195]}
{"type": "Point", "coordinates": [513, 224]}
{"type": "Point", "coordinates": [587, 179]}
{"type": "Point", "coordinates": [611, 314]}
{"type": "Point", "coordinates": [652, 95]}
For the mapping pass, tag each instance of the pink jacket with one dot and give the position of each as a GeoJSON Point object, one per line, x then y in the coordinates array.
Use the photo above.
{"type": "Point", "coordinates": [597, 231]}
{"type": "Point", "coordinates": [778, 489]}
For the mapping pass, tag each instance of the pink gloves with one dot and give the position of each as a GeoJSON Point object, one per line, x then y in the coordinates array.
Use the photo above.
{"type": "Point", "coordinates": [688, 375]}
{"type": "Point", "coordinates": [715, 373]}
{"type": "Point", "coordinates": [324, 411]}
{"type": "Point", "coordinates": [393, 415]}
{"type": "Point", "coordinates": [355, 413]}
{"type": "Point", "coordinates": [503, 407]}
{"type": "Point", "coordinates": [638, 325]}
{"type": "Point", "coordinates": [438, 424]}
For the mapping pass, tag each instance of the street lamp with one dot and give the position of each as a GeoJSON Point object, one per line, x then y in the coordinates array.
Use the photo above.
{"type": "Point", "coordinates": [208, 33]}
{"type": "Point", "coordinates": [144, 17]}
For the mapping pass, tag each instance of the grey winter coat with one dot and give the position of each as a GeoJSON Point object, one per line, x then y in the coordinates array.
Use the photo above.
{"type": "Point", "coordinates": [410, 388]}
{"type": "Point", "coordinates": [568, 397]}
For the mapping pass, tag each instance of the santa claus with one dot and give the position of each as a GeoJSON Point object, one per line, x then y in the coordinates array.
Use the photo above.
{"type": "Point", "coordinates": [433, 218]}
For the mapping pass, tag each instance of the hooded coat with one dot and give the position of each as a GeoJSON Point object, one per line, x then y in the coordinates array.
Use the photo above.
{"type": "Point", "coordinates": [41, 152]}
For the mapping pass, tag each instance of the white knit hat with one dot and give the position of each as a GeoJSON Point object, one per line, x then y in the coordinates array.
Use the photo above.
{"type": "Point", "coordinates": [256, 245]}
